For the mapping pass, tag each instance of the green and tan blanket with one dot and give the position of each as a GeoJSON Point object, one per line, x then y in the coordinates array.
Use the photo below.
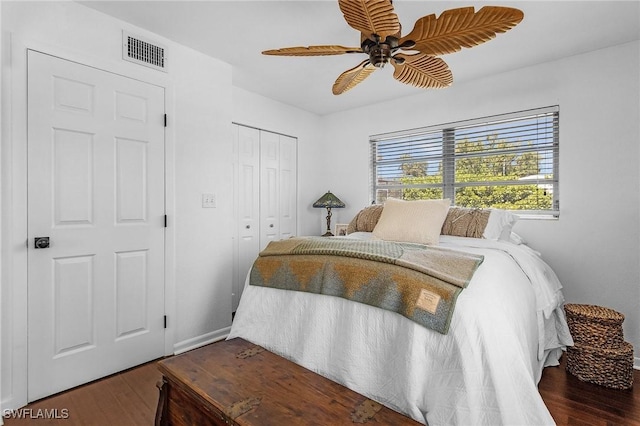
{"type": "Point", "coordinates": [417, 281]}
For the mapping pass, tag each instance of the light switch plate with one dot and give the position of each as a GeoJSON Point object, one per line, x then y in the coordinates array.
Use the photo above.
{"type": "Point", "coordinates": [208, 201]}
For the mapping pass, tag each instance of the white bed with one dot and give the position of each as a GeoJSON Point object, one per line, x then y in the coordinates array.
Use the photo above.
{"type": "Point", "coordinates": [507, 325]}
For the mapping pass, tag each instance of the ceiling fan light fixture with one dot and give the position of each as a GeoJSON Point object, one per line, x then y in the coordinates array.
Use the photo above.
{"type": "Point", "coordinates": [380, 55]}
{"type": "Point", "coordinates": [380, 52]}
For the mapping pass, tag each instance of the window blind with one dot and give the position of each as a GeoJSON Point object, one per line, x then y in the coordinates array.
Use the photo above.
{"type": "Point", "coordinates": [508, 161]}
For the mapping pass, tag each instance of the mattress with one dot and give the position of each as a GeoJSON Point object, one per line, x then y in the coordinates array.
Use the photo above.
{"type": "Point", "coordinates": [508, 324]}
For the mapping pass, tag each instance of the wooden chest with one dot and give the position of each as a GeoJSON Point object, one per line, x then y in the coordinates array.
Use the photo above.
{"type": "Point", "coordinates": [238, 383]}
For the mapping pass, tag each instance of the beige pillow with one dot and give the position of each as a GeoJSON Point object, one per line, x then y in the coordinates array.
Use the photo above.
{"type": "Point", "coordinates": [418, 221]}
{"type": "Point", "coordinates": [466, 222]}
{"type": "Point", "coordinates": [366, 219]}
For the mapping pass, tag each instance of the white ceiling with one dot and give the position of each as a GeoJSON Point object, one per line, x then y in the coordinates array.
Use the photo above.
{"type": "Point", "coordinates": [238, 31]}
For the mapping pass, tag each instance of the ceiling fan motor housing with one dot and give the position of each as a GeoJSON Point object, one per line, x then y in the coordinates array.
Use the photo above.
{"type": "Point", "coordinates": [379, 52]}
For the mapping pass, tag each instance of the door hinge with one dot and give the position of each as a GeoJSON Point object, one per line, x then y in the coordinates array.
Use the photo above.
{"type": "Point", "coordinates": [165, 120]}
{"type": "Point", "coordinates": [165, 220]}
{"type": "Point", "coordinates": [165, 321]}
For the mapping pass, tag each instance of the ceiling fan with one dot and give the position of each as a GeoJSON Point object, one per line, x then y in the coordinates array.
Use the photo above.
{"type": "Point", "coordinates": [431, 37]}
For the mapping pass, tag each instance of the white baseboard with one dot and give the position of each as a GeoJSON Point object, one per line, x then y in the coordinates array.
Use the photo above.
{"type": "Point", "coordinates": [9, 403]}
{"type": "Point", "coordinates": [636, 363]}
{"type": "Point", "coordinates": [205, 339]}
{"type": "Point", "coordinates": [6, 404]}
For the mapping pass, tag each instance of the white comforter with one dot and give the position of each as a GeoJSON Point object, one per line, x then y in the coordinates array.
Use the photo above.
{"type": "Point", "coordinates": [507, 325]}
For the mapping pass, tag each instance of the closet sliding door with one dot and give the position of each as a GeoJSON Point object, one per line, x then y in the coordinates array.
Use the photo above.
{"type": "Point", "coordinates": [246, 142]}
{"type": "Point", "coordinates": [265, 185]}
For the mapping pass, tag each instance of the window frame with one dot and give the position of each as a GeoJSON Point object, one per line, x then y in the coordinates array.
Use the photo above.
{"type": "Point", "coordinates": [448, 156]}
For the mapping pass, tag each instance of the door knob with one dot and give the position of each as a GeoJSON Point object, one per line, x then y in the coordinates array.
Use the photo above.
{"type": "Point", "coordinates": [41, 242]}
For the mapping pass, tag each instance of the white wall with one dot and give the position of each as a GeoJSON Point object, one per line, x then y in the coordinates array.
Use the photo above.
{"type": "Point", "coordinates": [203, 236]}
{"type": "Point", "coordinates": [594, 247]}
{"type": "Point", "coordinates": [198, 95]}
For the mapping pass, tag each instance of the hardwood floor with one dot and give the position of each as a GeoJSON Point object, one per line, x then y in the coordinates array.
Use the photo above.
{"type": "Point", "coordinates": [130, 397]}
{"type": "Point", "coordinates": [573, 402]}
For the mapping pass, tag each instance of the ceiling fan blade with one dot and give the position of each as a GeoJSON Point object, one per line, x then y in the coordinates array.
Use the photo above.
{"type": "Point", "coordinates": [463, 27]}
{"type": "Point", "coordinates": [422, 71]}
{"type": "Point", "coordinates": [313, 51]}
{"type": "Point", "coordinates": [371, 17]}
{"type": "Point", "coordinates": [350, 78]}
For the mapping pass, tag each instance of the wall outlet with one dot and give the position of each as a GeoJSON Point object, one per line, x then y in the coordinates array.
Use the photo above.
{"type": "Point", "coordinates": [208, 201]}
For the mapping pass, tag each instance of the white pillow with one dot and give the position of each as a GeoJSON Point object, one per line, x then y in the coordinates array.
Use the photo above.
{"type": "Point", "coordinates": [418, 221]}
{"type": "Point", "coordinates": [516, 239]}
{"type": "Point", "coordinates": [499, 225]}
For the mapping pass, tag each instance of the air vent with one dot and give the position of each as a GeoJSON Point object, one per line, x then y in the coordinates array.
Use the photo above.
{"type": "Point", "coordinates": [143, 52]}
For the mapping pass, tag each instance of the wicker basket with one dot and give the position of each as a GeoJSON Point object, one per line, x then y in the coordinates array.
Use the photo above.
{"type": "Point", "coordinates": [592, 325]}
{"type": "Point", "coordinates": [612, 368]}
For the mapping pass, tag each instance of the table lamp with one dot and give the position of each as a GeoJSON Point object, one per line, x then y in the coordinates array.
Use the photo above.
{"type": "Point", "coordinates": [328, 201]}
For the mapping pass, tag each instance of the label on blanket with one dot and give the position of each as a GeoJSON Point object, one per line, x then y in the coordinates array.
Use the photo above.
{"type": "Point", "coordinates": [428, 301]}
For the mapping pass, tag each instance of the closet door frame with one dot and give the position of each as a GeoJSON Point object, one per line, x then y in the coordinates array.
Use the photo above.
{"type": "Point", "coordinates": [265, 200]}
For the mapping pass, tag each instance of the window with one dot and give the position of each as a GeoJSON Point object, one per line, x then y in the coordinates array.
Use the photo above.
{"type": "Point", "coordinates": [508, 161]}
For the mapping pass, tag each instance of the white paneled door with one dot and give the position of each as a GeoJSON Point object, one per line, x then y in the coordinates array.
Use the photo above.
{"type": "Point", "coordinates": [287, 186]}
{"type": "Point", "coordinates": [266, 187]}
{"type": "Point", "coordinates": [247, 147]}
{"type": "Point", "coordinates": [96, 190]}
{"type": "Point", "coordinates": [269, 187]}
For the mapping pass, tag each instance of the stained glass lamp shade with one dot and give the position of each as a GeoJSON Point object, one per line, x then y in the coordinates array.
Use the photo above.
{"type": "Point", "coordinates": [328, 201]}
